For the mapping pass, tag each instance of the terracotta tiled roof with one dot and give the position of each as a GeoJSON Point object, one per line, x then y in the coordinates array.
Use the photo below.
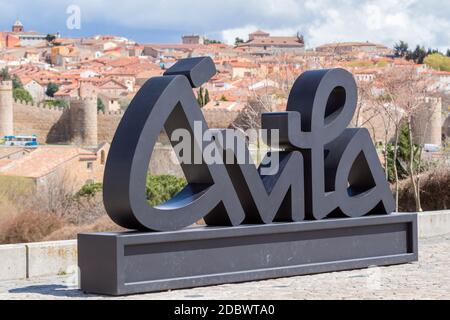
{"type": "Point", "coordinates": [437, 72]}
{"type": "Point", "coordinates": [273, 41]}
{"type": "Point", "coordinates": [176, 46]}
{"type": "Point", "coordinates": [224, 105]}
{"type": "Point", "coordinates": [243, 64]}
{"type": "Point", "coordinates": [43, 161]}
{"type": "Point", "coordinates": [7, 151]}
{"type": "Point", "coordinates": [114, 82]}
{"type": "Point", "coordinates": [353, 44]}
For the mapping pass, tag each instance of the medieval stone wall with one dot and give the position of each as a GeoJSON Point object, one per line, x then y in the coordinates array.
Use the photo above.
{"type": "Point", "coordinates": [427, 122]}
{"type": "Point", "coordinates": [107, 125]}
{"type": "Point", "coordinates": [77, 123]}
{"type": "Point", "coordinates": [48, 124]}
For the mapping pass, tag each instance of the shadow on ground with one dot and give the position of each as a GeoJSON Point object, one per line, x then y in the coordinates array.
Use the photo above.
{"type": "Point", "coordinates": [51, 290]}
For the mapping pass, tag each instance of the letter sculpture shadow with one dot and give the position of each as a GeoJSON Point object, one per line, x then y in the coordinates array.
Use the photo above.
{"type": "Point", "coordinates": [325, 169]}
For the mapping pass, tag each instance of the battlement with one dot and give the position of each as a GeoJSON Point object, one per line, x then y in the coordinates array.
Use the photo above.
{"type": "Point", "coordinates": [111, 113]}
{"type": "Point", "coordinates": [84, 99]}
{"type": "Point", "coordinates": [39, 106]}
{"type": "Point", "coordinates": [6, 85]}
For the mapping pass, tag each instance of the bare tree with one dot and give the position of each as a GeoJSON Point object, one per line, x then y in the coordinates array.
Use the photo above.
{"type": "Point", "coordinates": [250, 118]}
{"type": "Point", "coordinates": [403, 90]}
{"type": "Point", "coordinates": [54, 193]}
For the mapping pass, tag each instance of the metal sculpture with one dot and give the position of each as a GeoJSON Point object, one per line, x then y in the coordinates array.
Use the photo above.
{"type": "Point", "coordinates": [343, 171]}
{"type": "Point", "coordinates": [328, 175]}
{"type": "Point", "coordinates": [320, 107]}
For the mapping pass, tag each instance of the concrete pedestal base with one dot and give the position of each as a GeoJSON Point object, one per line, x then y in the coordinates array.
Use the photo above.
{"type": "Point", "coordinates": [133, 262]}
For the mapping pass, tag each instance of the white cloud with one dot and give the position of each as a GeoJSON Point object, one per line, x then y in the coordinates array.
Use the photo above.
{"type": "Point", "coordinates": [321, 21]}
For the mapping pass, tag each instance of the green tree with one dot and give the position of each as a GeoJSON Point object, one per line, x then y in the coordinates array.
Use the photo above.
{"type": "Point", "coordinates": [22, 95]}
{"type": "Point", "coordinates": [438, 61]}
{"type": "Point", "coordinates": [4, 74]}
{"type": "Point", "coordinates": [403, 155]}
{"type": "Point", "coordinates": [238, 41]}
{"type": "Point", "coordinates": [401, 49]}
{"type": "Point", "coordinates": [52, 88]}
{"type": "Point", "coordinates": [200, 97]}
{"type": "Point", "coordinates": [223, 98]}
{"type": "Point", "coordinates": [208, 41]}
{"type": "Point", "coordinates": [432, 51]}
{"type": "Point", "coordinates": [206, 98]}
{"type": "Point", "coordinates": [17, 84]}
{"type": "Point", "coordinates": [50, 38]}
{"type": "Point", "coordinates": [448, 53]}
{"type": "Point", "coordinates": [418, 55]}
{"type": "Point", "coordinates": [203, 97]}
{"type": "Point", "coordinates": [100, 105]}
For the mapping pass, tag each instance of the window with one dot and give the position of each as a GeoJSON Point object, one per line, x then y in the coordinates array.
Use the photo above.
{"type": "Point", "coordinates": [90, 166]}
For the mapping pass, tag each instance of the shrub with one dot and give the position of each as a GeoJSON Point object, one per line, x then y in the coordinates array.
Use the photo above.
{"type": "Point", "coordinates": [102, 224]}
{"type": "Point", "coordinates": [89, 190]}
{"type": "Point", "coordinates": [29, 227]}
{"type": "Point", "coordinates": [57, 103]}
{"type": "Point", "coordinates": [100, 105]}
{"type": "Point", "coordinates": [22, 95]}
{"type": "Point", "coordinates": [163, 188]}
{"type": "Point", "coordinates": [159, 189]}
{"type": "Point", "coordinates": [57, 214]}
{"type": "Point", "coordinates": [434, 191]}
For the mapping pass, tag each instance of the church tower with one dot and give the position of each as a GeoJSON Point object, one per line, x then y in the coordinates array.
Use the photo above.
{"type": "Point", "coordinates": [17, 27]}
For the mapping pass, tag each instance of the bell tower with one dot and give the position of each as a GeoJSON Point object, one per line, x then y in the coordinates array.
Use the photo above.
{"type": "Point", "coordinates": [17, 27]}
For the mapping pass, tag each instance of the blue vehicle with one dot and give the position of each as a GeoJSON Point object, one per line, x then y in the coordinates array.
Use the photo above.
{"type": "Point", "coordinates": [21, 141]}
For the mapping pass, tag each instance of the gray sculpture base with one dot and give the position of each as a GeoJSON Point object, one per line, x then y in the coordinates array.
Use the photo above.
{"type": "Point", "coordinates": [128, 263]}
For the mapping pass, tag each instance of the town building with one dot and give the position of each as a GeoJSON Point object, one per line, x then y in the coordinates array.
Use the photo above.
{"type": "Point", "coordinates": [27, 39]}
{"type": "Point", "coordinates": [264, 41]}
{"type": "Point", "coordinates": [242, 69]}
{"type": "Point", "coordinates": [354, 48]}
{"type": "Point", "coordinates": [17, 27]}
{"type": "Point", "coordinates": [193, 39]}
{"type": "Point", "coordinates": [48, 166]}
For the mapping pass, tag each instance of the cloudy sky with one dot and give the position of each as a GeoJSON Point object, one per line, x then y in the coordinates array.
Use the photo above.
{"type": "Point", "coordinates": [321, 21]}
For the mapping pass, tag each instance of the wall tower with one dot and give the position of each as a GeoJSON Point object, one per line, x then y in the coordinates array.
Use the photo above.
{"type": "Point", "coordinates": [83, 121]}
{"type": "Point", "coordinates": [427, 124]}
{"type": "Point", "coordinates": [6, 109]}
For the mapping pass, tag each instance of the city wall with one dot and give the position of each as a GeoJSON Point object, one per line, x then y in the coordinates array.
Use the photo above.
{"type": "Point", "coordinates": [55, 125]}
{"type": "Point", "coordinates": [41, 121]}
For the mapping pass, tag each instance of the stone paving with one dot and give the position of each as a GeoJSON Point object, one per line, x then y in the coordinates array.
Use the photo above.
{"type": "Point", "coordinates": [427, 279]}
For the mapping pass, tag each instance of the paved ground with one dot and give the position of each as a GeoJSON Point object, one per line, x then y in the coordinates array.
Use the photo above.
{"type": "Point", "coordinates": [427, 279]}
